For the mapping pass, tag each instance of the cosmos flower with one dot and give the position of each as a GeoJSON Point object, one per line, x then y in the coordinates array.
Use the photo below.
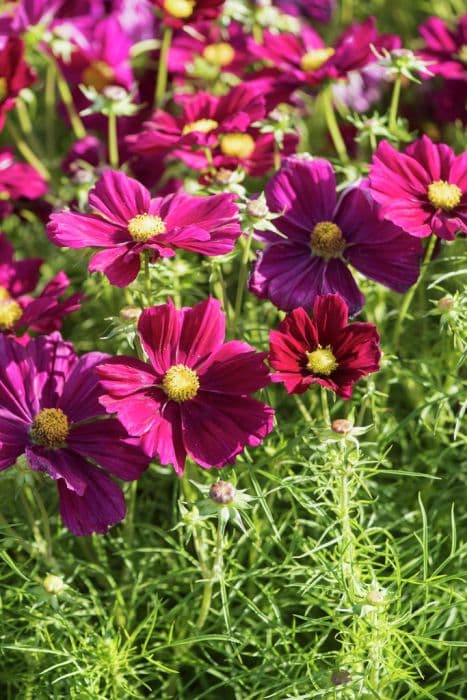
{"type": "Point", "coordinates": [320, 10]}
{"type": "Point", "coordinates": [423, 189]}
{"type": "Point", "coordinates": [127, 221]}
{"type": "Point", "coordinates": [18, 181]}
{"type": "Point", "coordinates": [446, 49]}
{"type": "Point", "coordinates": [320, 234]}
{"type": "Point", "coordinates": [193, 397]}
{"type": "Point", "coordinates": [15, 75]}
{"type": "Point", "coordinates": [21, 311]}
{"type": "Point", "coordinates": [324, 350]}
{"type": "Point", "coordinates": [50, 412]}
{"type": "Point", "coordinates": [178, 13]}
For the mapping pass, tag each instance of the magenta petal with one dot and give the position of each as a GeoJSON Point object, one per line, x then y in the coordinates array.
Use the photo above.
{"type": "Point", "coordinates": [137, 413]}
{"type": "Point", "coordinates": [74, 230]}
{"type": "Point", "coordinates": [202, 332]}
{"type": "Point", "coordinates": [123, 375]}
{"type": "Point", "coordinates": [338, 279]}
{"type": "Point", "coordinates": [236, 368]}
{"type": "Point", "coordinates": [164, 439]}
{"type": "Point", "coordinates": [159, 328]}
{"type": "Point", "coordinates": [58, 464]}
{"type": "Point", "coordinates": [13, 438]}
{"type": "Point", "coordinates": [119, 198]}
{"type": "Point", "coordinates": [81, 391]}
{"type": "Point", "coordinates": [119, 265]}
{"type": "Point", "coordinates": [330, 313]}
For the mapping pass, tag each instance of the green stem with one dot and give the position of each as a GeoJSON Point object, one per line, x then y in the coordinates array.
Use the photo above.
{"type": "Point", "coordinates": [333, 127]}
{"type": "Point", "coordinates": [242, 276]}
{"type": "Point", "coordinates": [215, 574]}
{"type": "Point", "coordinates": [112, 140]}
{"type": "Point", "coordinates": [393, 109]}
{"type": "Point", "coordinates": [147, 278]}
{"type": "Point", "coordinates": [65, 94]}
{"type": "Point", "coordinates": [26, 124]}
{"type": "Point", "coordinates": [26, 151]}
{"type": "Point", "coordinates": [411, 293]}
{"type": "Point", "coordinates": [162, 68]}
{"type": "Point", "coordinates": [325, 406]}
{"type": "Point", "coordinates": [50, 96]}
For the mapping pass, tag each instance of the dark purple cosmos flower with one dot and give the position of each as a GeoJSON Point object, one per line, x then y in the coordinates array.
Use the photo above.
{"type": "Point", "coordinates": [446, 50]}
{"type": "Point", "coordinates": [18, 181]}
{"type": "Point", "coordinates": [193, 397]}
{"type": "Point", "coordinates": [127, 221]}
{"type": "Point", "coordinates": [423, 189]}
{"type": "Point", "coordinates": [21, 311]}
{"type": "Point", "coordinates": [15, 75]}
{"type": "Point", "coordinates": [50, 412]}
{"type": "Point", "coordinates": [178, 13]}
{"type": "Point", "coordinates": [324, 350]}
{"type": "Point", "coordinates": [319, 235]}
{"type": "Point", "coordinates": [321, 10]}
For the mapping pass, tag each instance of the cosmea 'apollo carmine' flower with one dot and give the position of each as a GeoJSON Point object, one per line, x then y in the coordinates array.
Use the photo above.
{"type": "Point", "coordinates": [127, 221]}
{"type": "Point", "coordinates": [320, 235]}
{"type": "Point", "coordinates": [446, 50]}
{"type": "Point", "coordinates": [324, 350]}
{"type": "Point", "coordinates": [423, 189]}
{"type": "Point", "coordinates": [50, 412]}
{"type": "Point", "coordinates": [15, 74]}
{"type": "Point", "coordinates": [193, 397]}
{"type": "Point", "coordinates": [18, 181]}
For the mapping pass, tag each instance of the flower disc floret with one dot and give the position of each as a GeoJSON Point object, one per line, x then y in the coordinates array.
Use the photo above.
{"type": "Point", "coordinates": [322, 361]}
{"type": "Point", "coordinates": [444, 195]}
{"type": "Point", "coordinates": [3, 89]}
{"type": "Point", "coordinates": [220, 54]}
{"type": "Point", "coordinates": [180, 383]}
{"type": "Point", "coordinates": [237, 145]}
{"type": "Point", "coordinates": [182, 9]}
{"type": "Point", "coordinates": [144, 226]}
{"type": "Point", "coordinates": [202, 125]}
{"type": "Point", "coordinates": [98, 75]}
{"type": "Point", "coordinates": [50, 428]}
{"type": "Point", "coordinates": [327, 240]}
{"type": "Point", "coordinates": [10, 311]}
{"type": "Point", "coordinates": [315, 58]}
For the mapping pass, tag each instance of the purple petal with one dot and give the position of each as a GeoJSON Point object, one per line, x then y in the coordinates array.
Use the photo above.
{"type": "Point", "coordinates": [119, 198]}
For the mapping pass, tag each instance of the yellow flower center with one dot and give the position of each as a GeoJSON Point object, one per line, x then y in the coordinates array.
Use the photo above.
{"type": "Point", "coordinates": [50, 428]}
{"type": "Point", "coordinates": [315, 58]}
{"type": "Point", "coordinates": [443, 195]}
{"type": "Point", "coordinates": [98, 75]}
{"type": "Point", "coordinates": [3, 89]}
{"type": "Point", "coordinates": [321, 361]}
{"type": "Point", "coordinates": [10, 310]}
{"type": "Point", "coordinates": [327, 240]}
{"type": "Point", "coordinates": [220, 54]}
{"type": "Point", "coordinates": [462, 53]}
{"type": "Point", "coordinates": [180, 383]}
{"type": "Point", "coordinates": [203, 125]}
{"type": "Point", "coordinates": [144, 226]}
{"type": "Point", "coordinates": [179, 8]}
{"type": "Point", "coordinates": [237, 145]}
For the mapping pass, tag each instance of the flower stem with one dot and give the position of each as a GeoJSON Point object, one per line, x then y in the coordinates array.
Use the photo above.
{"type": "Point", "coordinates": [65, 94]}
{"type": "Point", "coordinates": [393, 109]}
{"type": "Point", "coordinates": [26, 151]}
{"type": "Point", "coordinates": [112, 140]}
{"type": "Point", "coordinates": [50, 83]}
{"type": "Point", "coordinates": [411, 293]}
{"type": "Point", "coordinates": [242, 276]}
{"type": "Point", "coordinates": [162, 69]}
{"type": "Point", "coordinates": [26, 124]}
{"type": "Point", "coordinates": [214, 575]}
{"type": "Point", "coordinates": [333, 126]}
{"type": "Point", "coordinates": [325, 406]}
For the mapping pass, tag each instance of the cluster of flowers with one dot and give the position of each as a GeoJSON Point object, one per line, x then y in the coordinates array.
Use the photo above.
{"type": "Point", "coordinates": [79, 419]}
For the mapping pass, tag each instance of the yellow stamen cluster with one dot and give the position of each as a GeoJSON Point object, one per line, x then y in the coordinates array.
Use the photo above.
{"type": "Point", "coordinates": [144, 226]}
{"type": "Point", "coordinates": [180, 383]}
{"type": "Point", "coordinates": [321, 361]}
{"type": "Point", "coordinates": [462, 53]}
{"type": "Point", "coordinates": [98, 75]}
{"type": "Point", "coordinates": [203, 125]}
{"type": "Point", "coordinates": [220, 54]}
{"type": "Point", "coordinates": [327, 240]}
{"type": "Point", "coordinates": [10, 310]}
{"type": "Point", "coordinates": [443, 195]}
{"type": "Point", "coordinates": [50, 428]}
{"type": "Point", "coordinates": [3, 88]}
{"type": "Point", "coordinates": [315, 58]}
{"type": "Point", "coordinates": [179, 8]}
{"type": "Point", "coordinates": [237, 145]}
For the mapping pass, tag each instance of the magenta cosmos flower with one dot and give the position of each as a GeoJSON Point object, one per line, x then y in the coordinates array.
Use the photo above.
{"type": "Point", "coordinates": [446, 50]}
{"type": "Point", "coordinates": [324, 350]}
{"type": "Point", "coordinates": [19, 311]}
{"type": "Point", "coordinates": [50, 412]}
{"type": "Point", "coordinates": [193, 397]}
{"type": "Point", "coordinates": [423, 189]}
{"type": "Point", "coordinates": [320, 234]}
{"type": "Point", "coordinates": [17, 181]}
{"type": "Point", "coordinates": [15, 75]}
{"type": "Point", "coordinates": [178, 13]}
{"type": "Point", "coordinates": [127, 221]}
{"type": "Point", "coordinates": [321, 10]}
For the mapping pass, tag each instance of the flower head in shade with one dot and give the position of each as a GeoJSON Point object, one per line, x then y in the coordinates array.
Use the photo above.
{"type": "Point", "coordinates": [127, 221]}
{"type": "Point", "coordinates": [15, 74]}
{"type": "Point", "coordinates": [194, 395]}
{"type": "Point", "coordinates": [320, 10]}
{"type": "Point", "coordinates": [423, 189]}
{"type": "Point", "coordinates": [446, 49]}
{"type": "Point", "coordinates": [19, 310]}
{"type": "Point", "coordinates": [178, 13]}
{"type": "Point", "coordinates": [321, 234]}
{"type": "Point", "coordinates": [50, 412]}
{"type": "Point", "coordinates": [18, 181]}
{"type": "Point", "coordinates": [324, 350]}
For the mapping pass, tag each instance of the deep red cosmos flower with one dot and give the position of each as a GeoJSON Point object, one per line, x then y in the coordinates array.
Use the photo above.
{"type": "Point", "coordinates": [15, 74]}
{"type": "Point", "coordinates": [423, 189]}
{"type": "Point", "coordinates": [324, 350]}
{"type": "Point", "coordinates": [19, 311]}
{"type": "Point", "coordinates": [127, 221]}
{"type": "Point", "coordinates": [17, 181]}
{"type": "Point", "coordinates": [50, 412]}
{"type": "Point", "coordinates": [193, 397]}
{"type": "Point", "coordinates": [446, 50]}
{"type": "Point", "coordinates": [319, 234]}
{"type": "Point", "coordinates": [177, 13]}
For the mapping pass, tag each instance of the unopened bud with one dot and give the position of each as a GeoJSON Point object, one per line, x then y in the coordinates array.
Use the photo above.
{"type": "Point", "coordinates": [115, 93]}
{"type": "Point", "coordinates": [340, 677]}
{"type": "Point", "coordinates": [376, 598]}
{"type": "Point", "coordinates": [81, 176]}
{"type": "Point", "coordinates": [222, 176]}
{"type": "Point", "coordinates": [53, 584]}
{"type": "Point", "coordinates": [341, 426]}
{"type": "Point", "coordinates": [446, 303]}
{"type": "Point", "coordinates": [257, 208]}
{"type": "Point", "coordinates": [130, 313]}
{"type": "Point", "coordinates": [223, 492]}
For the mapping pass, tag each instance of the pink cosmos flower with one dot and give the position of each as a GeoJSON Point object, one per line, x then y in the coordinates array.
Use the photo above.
{"type": "Point", "coordinates": [193, 397]}
{"type": "Point", "coordinates": [15, 75]}
{"type": "Point", "coordinates": [324, 350]}
{"type": "Point", "coordinates": [423, 189]}
{"type": "Point", "coordinates": [178, 13]}
{"type": "Point", "coordinates": [50, 412]}
{"type": "Point", "coordinates": [127, 221]}
{"type": "Point", "coordinates": [17, 181]}
{"type": "Point", "coordinates": [320, 235]}
{"type": "Point", "coordinates": [445, 49]}
{"type": "Point", "coordinates": [18, 309]}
